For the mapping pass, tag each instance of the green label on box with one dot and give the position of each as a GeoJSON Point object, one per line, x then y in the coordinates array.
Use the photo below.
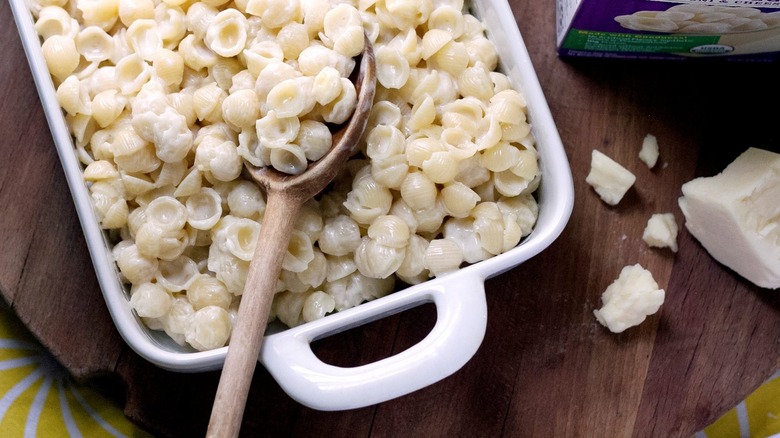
{"type": "Point", "coordinates": [626, 42]}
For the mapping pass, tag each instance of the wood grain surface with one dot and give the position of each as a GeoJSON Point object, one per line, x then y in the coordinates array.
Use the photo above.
{"type": "Point", "coordinates": [546, 367]}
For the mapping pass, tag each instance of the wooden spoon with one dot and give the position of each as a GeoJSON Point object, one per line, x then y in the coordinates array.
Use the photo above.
{"type": "Point", "coordinates": [285, 195]}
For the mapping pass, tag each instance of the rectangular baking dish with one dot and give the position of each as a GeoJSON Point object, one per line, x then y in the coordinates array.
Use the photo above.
{"type": "Point", "coordinates": [459, 297]}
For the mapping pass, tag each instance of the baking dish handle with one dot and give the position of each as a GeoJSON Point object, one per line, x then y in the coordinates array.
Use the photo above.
{"type": "Point", "coordinates": [461, 318]}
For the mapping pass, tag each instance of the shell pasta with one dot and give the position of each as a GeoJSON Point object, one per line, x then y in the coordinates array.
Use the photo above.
{"type": "Point", "coordinates": [167, 100]}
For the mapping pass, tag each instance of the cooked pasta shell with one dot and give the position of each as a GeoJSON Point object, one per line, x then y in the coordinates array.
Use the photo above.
{"type": "Point", "coordinates": [171, 24]}
{"type": "Point", "coordinates": [82, 127]}
{"type": "Point", "coordinates": [340, 236]}
{"type": "Point", "coordinates": [475, 81]}
{"type": "Point", "coordinates": [107, 107]}
{"type": "Point", "coordinates": [168, 66]}
{"type": "Point", "coordinates": [293, 38]}
{"type": "Point", "coordinates": [150, 300]}
{"type": "Point", "coordinates": [177, 275]}
{"type": "Point", "coordinates": [481, 50]}
{"type": "Point", "coordinates": [340, 266]}
{"type": "Point", "coordinates": [375, 260]}
{"type": "Point", "coordinates": [527, 164]}
{"type": "Point", "coordinates": [418, 191]}
{"type": "Point", "coordinates": [182, 102]}
{"type": "Point", "coordinates": [241, 108]}
{"type": "Point", "coordinates": [132, 10]}
{"type": "Point", "coordinates": [292, 97]}
{"type": "Point", "coordinates": [423, 114]}
{"type": "Point", "coordinates": [72, 97]}
{"type": "Point", "coordinates": [274, 131]}
{"type": "Point", "coordinates": [317, 305]}
{"type": "Point", "coordinates": [171, 173]}
{"type": "Point", "coordinates": [136, 184]}
{"type": "Point", "coordinates": [226, 33]}
{"type": "Point", "coordinates": [204, 209]}
{"type": "Point", "coordinates": [384, 112]}
{"type": "Point", "coordinates": [434, 40]}
{"type": "Point", "coordinates": [341, 108]}
{"type": "Point", "coordinates": [509, 184]}
{"type": "Point", "coordinates": [515, 132]}
{"type": "Point", "coordinates": [54, 20]}
{"type": "Point", "coordinates": [314, 138]}
{"type": "Point", "coordinates": [250, 149]}
{"type": "Point", "coordinates": [208, 328]}
{"type": "Point", "coordinates": [488, 133]}
{"type": "Point", "coordinates": [453, 58]}
{"type": "Point", "coordinates": [196, 54]}
{"type": "Point", "coordinates": [447, 18]}
{"type": "Point", "coordinates": [155, 242]}
{"type": "Point", "coordinates": [100, 13]}
{"type": "Point", "coordinates": [299, 252]}
{"type": "Point", "coordinates": [94, 44]}
{"type": "Point", "coordinates": [206, 290]}
{"type": "Point", "coordinates": [143, 160]}
{"type": "Point", "coordinates": [246, 200]}
{"type": "Point", "coordinates": [100, 170]}
{"type": "Point", "coordinates": [384, 141]}
{"type": "Point", "coordinates": [491, 234]}
{"type": "Point", "coordinates": [459, 199]}
{"type": "Point", "coordinates": [261, 54]}
{"type": "Point", "coordinates": [389, 230]}
{"type": "Point", "coordinates": [207, 102]}
{"type": "Point", "coordinates": [199, 16]}
{"type": "Point", "coordinates": [135, 266]}
{"type": "Point", "coordinates": [326, 86]}
{"type": "Point", "coordinates": [166, 213]}
{"type": "Point", "coordinates": [512, 233]}
{"type": "Point", "coordinates": [132, 72]}
{"type": "Point", "coordinates": [126, 141]}
{"type": "Point", "coordinates": [500, 157]}
{"type": "Point", "coordinates": [421, 149]}
{"type": "Point", "coordinates": [289, 158]}
{"type": "Point", "coordinates": [458, 142]}
{"type": "Point", "coordinates": [392, 68]}
{"type": "Point", "coordinates": [190, 184]}
{"type": "Point", "coordinates": [441, 167]}
{"type": "Point", "coordinates": [442, 256]}
{"type": "Point", "coordinates": [143, 38]}
{"type": "Point", "coordinates": [61, 56]}
{"type": "Point", "coordinates": [413, 264]}
{"type": "Point", "coordinates": [508, 106]}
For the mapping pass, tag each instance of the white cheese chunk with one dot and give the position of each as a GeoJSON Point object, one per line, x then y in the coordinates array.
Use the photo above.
{"type": "Point", "coordinates": [629, 299]}
{"type": "Point", "coordinates": [735, 215]}
{"type": "Point", "coordinates": [610, 180]}
{"type": "Point", "coordinates": [649, 152]}
{"type": "Point", "coordinates": [661, 231]}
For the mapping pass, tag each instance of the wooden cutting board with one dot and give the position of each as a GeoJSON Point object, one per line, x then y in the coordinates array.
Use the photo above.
{"type": "Point", "coordinates": [546, 367]}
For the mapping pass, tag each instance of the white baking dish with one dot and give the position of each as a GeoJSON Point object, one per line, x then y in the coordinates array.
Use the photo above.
{"type": "Point", "coordinates": [459, 297]}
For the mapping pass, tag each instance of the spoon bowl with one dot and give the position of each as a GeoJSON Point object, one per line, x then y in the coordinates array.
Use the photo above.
{"type": "Point", "coordinates": [285, 195]}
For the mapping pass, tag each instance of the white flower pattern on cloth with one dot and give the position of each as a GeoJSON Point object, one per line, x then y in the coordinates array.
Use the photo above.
{"type": "Point", "coordinates": [39, 398]}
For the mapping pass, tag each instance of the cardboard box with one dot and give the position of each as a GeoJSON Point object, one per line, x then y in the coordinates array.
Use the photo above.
{"type": "Point", "coordinates": [662, 29]}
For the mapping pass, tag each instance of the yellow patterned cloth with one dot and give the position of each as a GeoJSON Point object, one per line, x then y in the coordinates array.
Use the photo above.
{"type": "Point", "coordinates": [758, 416]}
{"type": "Point", "coordinates": [38, 398]}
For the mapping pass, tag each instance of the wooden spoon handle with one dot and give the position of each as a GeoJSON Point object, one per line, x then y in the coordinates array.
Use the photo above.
{"type": "Point", "coordinates": [247, 336]}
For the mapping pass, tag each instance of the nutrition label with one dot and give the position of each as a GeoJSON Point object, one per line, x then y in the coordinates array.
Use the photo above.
{"type": "Point", "coordinates": [749, 3]}
{"type": "Point", "coordinates": [624, 42]}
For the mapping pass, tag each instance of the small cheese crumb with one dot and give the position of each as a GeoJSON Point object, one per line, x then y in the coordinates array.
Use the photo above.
{"type": "Point", "coordinates": [649, 152]}
{"type": "Point", "coordinates": [661, 231]}
{"type": "Point", "coordinates": [629, 299]}
{"type": "Point", "coordinates": [610, 180]}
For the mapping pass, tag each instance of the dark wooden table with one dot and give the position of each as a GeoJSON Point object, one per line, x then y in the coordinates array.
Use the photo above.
{"type": "Point", "coordinates": [546, 367]}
